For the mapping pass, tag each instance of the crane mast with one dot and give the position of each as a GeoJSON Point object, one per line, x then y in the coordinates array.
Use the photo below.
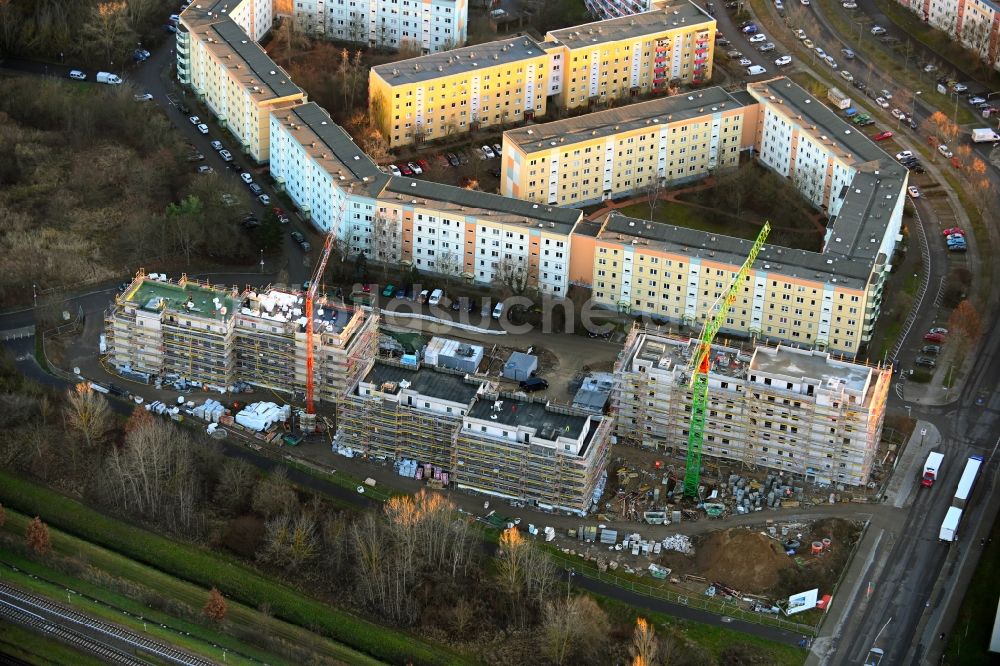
{"type": "Point", "coordinates": [699, 366]}
{"type": "Point", "coordinates": [311, 296]}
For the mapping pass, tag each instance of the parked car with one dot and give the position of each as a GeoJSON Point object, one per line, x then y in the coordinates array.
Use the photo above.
{"type": "Point", "coordinates": [77, 75]}
{"type": "Point", "coordinates": [850, 5]}
{"type": "Point", "coordinates": [143, 97]}
{"type": "Point", "coordinates": [882, 101]}
{"type": "Point", "coordinates": [783, 60]}
{"type": "Point", "coordinates": [203, 169]}
{"type": "Point", "coordinates": [394, 170]}
{"type": "Point", "coordinates": [886, 93]}
{"type": "Point", "coordinates": [488, 152]}
{"type": "Point", "coordinates": [203, 128]}
{"type": "Point", "coordinates": [937, 330]}
{"type": "Point", "coordinates": [934, 337]}
{"type": "Point", "coordinates": [246, 177]}
{"type": "Point", "coordinates": [958, 248]}
{"type": "Point", "coordinates": [216, 145]}
{"type": "Point", "coordinates": [264, 199]}
{"type": "Point", "coordinates": [195, 120]}
{"type": "Point", "coordinates": [882, 136]}
{"type": "Point", "coordinates": [905, 155]}
{"type": "Point", "coordinates": [953, 230]}
{"type": "Point", "coordinates": [954, 242]}
{"type": "Point", "coordinates": [859, 84]}
{"type": "Point", "coordinates": [532, 384]}
{"type": "Point", "coordinates": [878, 30]}
{"type": "Point", "coordinates": [820, 53]}
{"type": "Point", "coordinates": [498, 149]}
{"type": "Point", "coordinates": [226, 155]}
{"type": "Point", "coordinates": [943, 149]}
{"type": "Point", "coordinates": [847, 53]}
{"type": "Point", "coordinates": [436, 296]}
{"type": "Point", "coordinates": [759, 37]}
{"type": "Point", "coordinates": [930, 67]}
{"type": "Point", "coordinates": [415, 168]}
{"type": "Point", "coordinates": [453, 159]}
{"type": "Point", "coordinates": [255, 188]}
{"type": "Point", "coordinates": [925, 361]}
{"type": "Point", "coordinates": [976, 100]}
{"type": "Point", "coordinates": [960, 87]}
{"type": "Point", "coordinates": [847, 76]}
{"type": "Point", "coordinates": [896, 113]}
{"type": "Point", "coordinates": [745, 62]}
{"type": "Point", "coordinates": [388, 291]}
{"type": "Point", "coordinates": [913, 191]}
{"type": "Point", "coordinates": [765, 48]}
{"type": "Point", "coordinates": [831, 63]}
{"type": "Point", "coordinates": [930, 349]}
{"type": "Point", "coordinates": [405, 169]}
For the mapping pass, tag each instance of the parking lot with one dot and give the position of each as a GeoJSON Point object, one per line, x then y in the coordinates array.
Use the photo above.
{"type": "Point", "coordinates": [470, 167]}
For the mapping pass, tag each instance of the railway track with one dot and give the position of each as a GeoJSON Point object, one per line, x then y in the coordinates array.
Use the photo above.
{"type": "Point", "coordinates": [85, 632]}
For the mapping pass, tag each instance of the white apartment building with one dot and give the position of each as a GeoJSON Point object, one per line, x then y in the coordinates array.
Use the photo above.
{"type": "Point", "coordinates": [425, 26]}
{"type": "Point", "coordinates": [798, 411]}
{"type": "Point", "coordinates": [974, 23]}
{"type": "Point", "coordinates": [606, 9]}
{"type": "Point", "coordinates": [231, 73]}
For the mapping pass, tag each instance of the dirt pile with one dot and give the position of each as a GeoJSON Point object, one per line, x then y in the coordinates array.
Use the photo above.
{"type": "Point", "coordinates": [740, 558]}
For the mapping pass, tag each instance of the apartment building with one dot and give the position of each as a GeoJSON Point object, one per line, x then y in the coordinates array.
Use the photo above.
{"type": "Point", "coordinates": [231, 73]}
{"type": "Point", "coordinates": [620, 151]}
{"type": "Point", "coordinates": [530, 451]}
{"type": "Point", "coordinates": [440, 94]}
{"type": "Point", "coordinates": [829, 300]}
{"type": "Point", "coordinates": [973, 23]}
{"type": "Point", "coordinates": [490, 442]}
{"type": "Point", "coordinates": [605, 9]}
{"type": "Point", "coordinates": [633, 55]}
{"type": "Point", "coordinates": [217, 336]}
{"type": "Point", "coordinates": [512, 80]}
{"type": "Point", "coordinates": [797, 411]}
{"type": "Point", "coordinates": [423, 26]}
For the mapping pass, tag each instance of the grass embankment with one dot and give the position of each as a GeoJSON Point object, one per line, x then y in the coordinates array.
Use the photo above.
{"type": "Point", "coordinates": [28, 647]}
{"type": "Point", "coordinates": [969, 643]}
{"type": "Point", "coordinates": [714, 639]}
{"type": "Point", "coordinates": [205, 568]}
{"type": "Point", "coordinates": [100, 601]}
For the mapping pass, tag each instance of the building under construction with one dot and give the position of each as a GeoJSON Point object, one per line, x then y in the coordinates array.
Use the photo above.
{"type": "Point", "coordinates": [218, 336]}
{"type": "Point", "coordinates": [795, 410]}
{"type": "Point", "coordinates": [501, 444]}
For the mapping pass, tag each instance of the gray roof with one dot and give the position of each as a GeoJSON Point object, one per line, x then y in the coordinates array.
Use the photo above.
{"type": "Point", "coordinates": [460, 201]}
{"type": "Point", "coordinates": [879, 182]}
{"type": "Point", "coordinates": [426, 381]}
{"type": "Point", "coordinates": [547, 424]}
{"type": "Point", "coordinates": [466, 59]}
{"type": "Point", "coordinates": [335, 150]}
{"type": "Point", "coordinates": [853, 273]}
{"type": "Point", "coordinates": [637, 25]}
{"type": "Point", "coordinates": [269, 76]}
{"type": "Point", "coordinates": [675, 108]}
{"type": "Point", "coordinates": [595, 392]}
{"type": "Point", "coordinates": [808, 364]}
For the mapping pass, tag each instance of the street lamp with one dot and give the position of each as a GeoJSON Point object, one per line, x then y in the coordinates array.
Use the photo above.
{"type": "Point", "coordinates": [34, 294]}
{"type": "Point", "coordinates": [569, 579]}
{"type": "Point", "coordinates": [262, 260]}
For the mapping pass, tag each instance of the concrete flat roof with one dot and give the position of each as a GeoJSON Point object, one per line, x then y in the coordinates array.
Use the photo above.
{"type": "Point", "coordinates": [693, 243]}
{"type": "Point", "coordinates": [867, 207]}
{"type": "Point", "coordinates": [457, 61]}
{"type": "Point", "coordinates": [154, 295]}
{"type": "Point", "coordinates": [807, 364]}
{"type": "Point", "coordinates": [662, 111]}
{"type": "Point", "coordinates": [328, 144]}
{"type": "Point", "coordinates": [673, 16]}
{"type": "Point", "coordinates": [426, 381]}
{"type": "Point", "coordinates": [459, 201]}
{"type": "Point", "coordinates": [514, 413]}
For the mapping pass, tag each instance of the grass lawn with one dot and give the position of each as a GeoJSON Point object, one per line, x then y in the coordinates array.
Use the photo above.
{"type": "Point", "coordinates": [32, 648]}
{"type": "Point", "coordinates": [205, 568]}
{"type": "Point", "coordinates": [713, 639]}
{"type": "Point", "coordinates": [678, 214]}
{"type": "Point", "coordinates": [118, 608]}
{"type": "Point", "coordinates": [969, 642]}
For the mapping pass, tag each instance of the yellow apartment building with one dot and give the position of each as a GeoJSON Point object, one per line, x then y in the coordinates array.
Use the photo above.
{"type": "Point", "coordinates": [231, 74]}
{"type": "Point", "coordinates": [439, 94]}
{"type": "Point", "coordinates": [603, 155]}
{"type": "Point", "coordinates": [632, 55]}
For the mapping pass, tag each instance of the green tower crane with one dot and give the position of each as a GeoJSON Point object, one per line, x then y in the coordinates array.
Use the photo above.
{"type": "Point", "coordinates": [699, 366]}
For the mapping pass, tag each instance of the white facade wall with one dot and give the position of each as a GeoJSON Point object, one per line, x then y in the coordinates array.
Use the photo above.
{"type": "Point", "coordinates": [438, 242]}
{"type": "Point", "coordinates": [427, 25]}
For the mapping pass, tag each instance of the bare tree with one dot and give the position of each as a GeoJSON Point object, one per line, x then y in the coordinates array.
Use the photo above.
{"type": "Point", "coordinates": [511, 276]}
{"type": "Point", "coordinates": [357, 29]}
{"type": "Point", "coordinates": [573, 630]}
{"type": "Point", "coordinates": [291, 541]}
{"type": "Point", "coordinates": [525, 574]}
{"type": "Point", "coordinates": [386, 241]}
{"type": "Point", "coordinates": [236, 483]}
{"type": "Point", "coordinates": [651, 192]}
{"type": "Point", "coordinates": [274, 495]}
{"type": "Point", "coordinates": [108, 27]}
{"type": "Point", "coordinates": [88, 413]}
{"type": "Point", "coordinates": [644, 646]}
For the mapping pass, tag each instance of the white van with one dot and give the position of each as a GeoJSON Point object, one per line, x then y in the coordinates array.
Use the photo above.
{"type": "Point", "coordinates": [498, 310]}
{"type": "Point", "coordinates": [755, 70]}
{"type": "Point", "coordinates": [436, 297]}
{"type": "Point", "coordinates": [77, 75]}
